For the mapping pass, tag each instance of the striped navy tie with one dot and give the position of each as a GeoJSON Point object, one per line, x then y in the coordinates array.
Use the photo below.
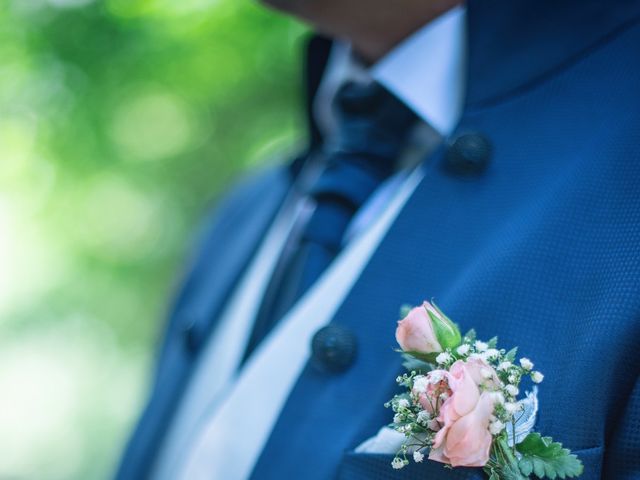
{"type": "Point", "coordinates": [373, 127]}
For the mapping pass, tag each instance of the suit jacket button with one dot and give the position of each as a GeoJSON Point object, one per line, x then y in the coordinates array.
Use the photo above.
{"type": "Point", "coordinates": [468, 154]}
{"type": "Point", "coordinates": [333, 349]}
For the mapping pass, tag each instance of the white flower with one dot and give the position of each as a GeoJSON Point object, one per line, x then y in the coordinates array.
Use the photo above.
{"type": "Point", "coordinates": [505, 366]}
{"type": "Point", "coordinates": [463, 349]}
{"type": "Point", "coordinates": [496, 427]}
{"type": "Point", "coordinates": [492, 353]}
{"type": "Point", "coordinates": [512, 379]}
{"type": "Point", "coordinates": [481, 356]}
{"type": "Point", "coordinates": [435, 376]}
{"type": "Point", "coordinates": [397, 463]}
{"type": "Point", "coordinates": [443, 357]}
{"type": "Point", "coordinates": [511, 407]}
{"type": "Point", "coordinates": [537, 377]}
{"type": "Point", "coordinates": [403, 403]}
{"type": "Point", "coordinates": [444, 396]}
{"type": "Point", "coordinates": [481, 346]}
{"type": "Point", "coordinates": [420, 384]}
{"type": "Point", "coordinates": [418, 457]}
{"type": "Point", "coordinates": [423, 417]}
{"type": "Point", "coordinates": [498, 397]}
{"type": "Point", "coordinates": [397, 418]}
{"type": "Point", "coordinates": [512, 390]}
{"type": "Point", "coordinates": [486, 373]}
{"type": "Point", "coordinates": [526, 363]}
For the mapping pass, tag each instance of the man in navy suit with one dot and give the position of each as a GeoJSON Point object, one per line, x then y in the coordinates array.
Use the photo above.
{"type": "Point", "coordinates": [484, 154]}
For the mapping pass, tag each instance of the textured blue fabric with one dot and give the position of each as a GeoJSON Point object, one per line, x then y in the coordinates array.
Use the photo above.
{"type": "Point", "coordinates": [541, 249]}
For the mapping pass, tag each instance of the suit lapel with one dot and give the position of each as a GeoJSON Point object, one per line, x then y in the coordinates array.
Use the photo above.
{"type": "Point", "coordinates": [224, 254]}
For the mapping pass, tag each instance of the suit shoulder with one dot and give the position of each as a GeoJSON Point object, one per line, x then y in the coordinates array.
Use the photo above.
{"type": "Point", "coordinates": [248, 196]}
{"type": "Point", "coordinates": [249, 188]}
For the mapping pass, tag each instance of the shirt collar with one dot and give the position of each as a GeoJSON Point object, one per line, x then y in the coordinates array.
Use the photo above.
{"type": "Point", "coordinates": [426, 71]}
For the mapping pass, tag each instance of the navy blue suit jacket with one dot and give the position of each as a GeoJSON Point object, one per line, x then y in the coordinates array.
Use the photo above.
{"type": "Point", "coordinates": [542, 248]}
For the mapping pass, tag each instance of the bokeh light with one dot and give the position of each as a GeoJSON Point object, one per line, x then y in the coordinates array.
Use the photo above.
{"type": "Point", "coordinates": [121, 121]}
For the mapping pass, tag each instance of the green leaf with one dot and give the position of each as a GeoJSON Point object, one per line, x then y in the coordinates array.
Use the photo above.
{"type": "Point", "coordinates": [510, 472]}
{"type": "Point", "coordinates": [510, 356]}
{"type": "Point", "coordinates": [470, 336]}
{"type": "Point", "coordinates": [505, 462]}
{"type": "Point", "coordinates": [414, 364]}
{"type": "Point", "coordinates": [424, 357]}
{"type": "Point", "coordinates": [493, 343]}
{"type": "Point", "coordinates": [545, 458]}
{"type": "Point", "coordinates": [447, 332]}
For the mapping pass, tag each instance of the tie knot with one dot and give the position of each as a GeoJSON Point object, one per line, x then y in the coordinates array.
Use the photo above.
{"type": "Point", "coordinates": [372, 122]}
{"type": "Point", "coordinates": [360, 98]}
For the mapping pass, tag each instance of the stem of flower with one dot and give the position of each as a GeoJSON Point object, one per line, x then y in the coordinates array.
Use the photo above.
{"type": "Point", "coordinates": [506, 450]}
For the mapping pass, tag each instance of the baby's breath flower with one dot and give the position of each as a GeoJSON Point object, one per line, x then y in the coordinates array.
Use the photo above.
{"type": "Point", "coordinates": [537, 377]}
{"type": "Point", "coordinates": [423, 417]}
{"type": "Point", "coordinates": [463, 349]}
{"type": "Point", "coordinates": [512, 407]}
{"type": "Point", "coordinates": [512, 390]}
{"type": "Point", "coordinates": [504, 366]}
{"type": "Point", "coordinates": [403, 403]}
{"type": "Point", "coordinates": [486, 373]}
{"type": "Point", "coordinates": [481, 346]}
{"type": "Point", "coordinates": [498, 398]}
{"type": "Point", "coordinates": [492, 353]}
{"type": "Point", "coordinates": [420, 384]}
{"type": "Point", "coordinates": [496, 427]}
{"type": "Point", "coordinates": [418, 457]}
{"type": "Point", "coordinates": [526, 363]}
{"type": "Point", "coordinates": [443, 357]}
{"type": "Point", "coordinates": [398, 463]}
{"type": "Point", "coordinates": [512, 379]}
{"type": "Point", "coordinates": [481, 356]}
{"type": "Point", "coordinates": [397, 418]}
{"type": "Point", "coordinates": [435, 376]}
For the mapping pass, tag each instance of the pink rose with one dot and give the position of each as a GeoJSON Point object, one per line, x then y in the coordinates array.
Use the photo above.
{"type": "Point", "coordinates": [427, 330]}
{"type": "Point", "coordinates": [467, 442]}
{"type": "Point", "coordinates": [482, 373]}
{"type": "Point", "coordinates": [415, 332]}
{"type": "Point", "coordinates": [464, 438]}
{"type": "Point", "coordinates": [435, 392]}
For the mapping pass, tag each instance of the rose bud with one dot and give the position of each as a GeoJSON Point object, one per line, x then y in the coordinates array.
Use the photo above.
{"type": "Point", "coordinates": [426, 330]}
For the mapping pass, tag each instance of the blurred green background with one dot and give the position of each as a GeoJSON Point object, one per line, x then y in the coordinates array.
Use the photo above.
{"type": "Point", "coordinates": [120, 123]}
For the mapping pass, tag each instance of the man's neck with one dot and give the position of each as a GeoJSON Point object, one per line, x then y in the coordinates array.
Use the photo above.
{"type": "Point", "coordinates": [374, 39]}
{"type": "Point", "coordinates": [372, 27]}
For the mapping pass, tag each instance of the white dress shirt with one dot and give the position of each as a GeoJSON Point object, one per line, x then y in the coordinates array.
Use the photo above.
{"type": "Point", "coordinates": [218, 431]}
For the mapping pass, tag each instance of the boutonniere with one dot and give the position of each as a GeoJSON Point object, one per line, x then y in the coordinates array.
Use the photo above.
{"type": "Point", "coordinates": [463, 407]}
